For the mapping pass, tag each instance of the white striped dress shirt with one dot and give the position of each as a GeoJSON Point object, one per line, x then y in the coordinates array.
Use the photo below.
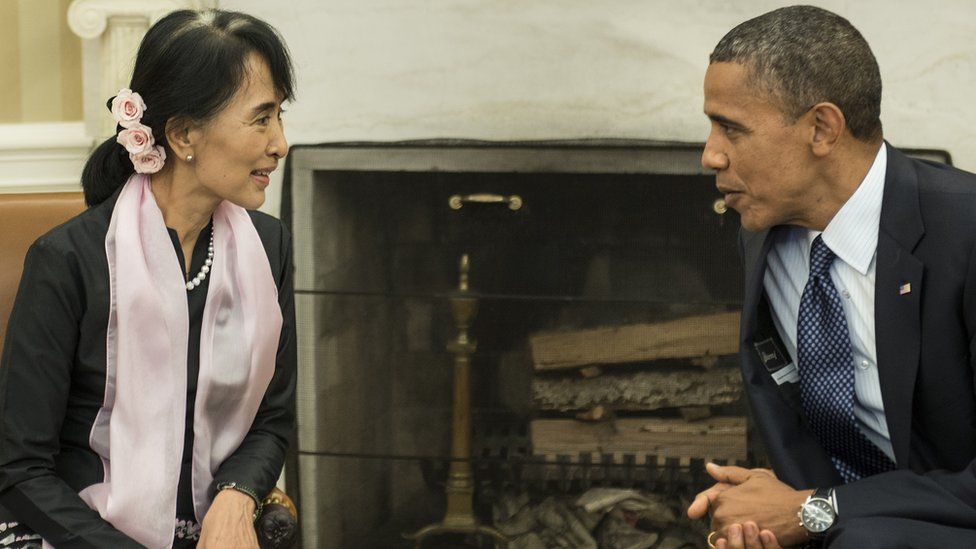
{"type": "Point", "coordinates": [853, 236]}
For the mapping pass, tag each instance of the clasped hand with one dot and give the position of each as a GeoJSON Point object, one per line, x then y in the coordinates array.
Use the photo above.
{"type": "Point", "coordinates": [750, 509]}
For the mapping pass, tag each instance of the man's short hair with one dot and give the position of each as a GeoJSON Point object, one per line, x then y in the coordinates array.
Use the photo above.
{"type": "Point", "coordinates": [804, 55]}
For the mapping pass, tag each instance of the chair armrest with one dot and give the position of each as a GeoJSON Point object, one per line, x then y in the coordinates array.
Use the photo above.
{"type": "Point", "coordinates": [277, 527]}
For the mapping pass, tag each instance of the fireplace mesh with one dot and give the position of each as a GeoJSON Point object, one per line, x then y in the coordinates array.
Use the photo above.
{"type": "Point", "coordinates": [606, 330]}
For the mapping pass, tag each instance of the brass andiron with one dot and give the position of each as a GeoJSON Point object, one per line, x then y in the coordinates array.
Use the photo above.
{"type": "Point", "coordinates": [459, 518]}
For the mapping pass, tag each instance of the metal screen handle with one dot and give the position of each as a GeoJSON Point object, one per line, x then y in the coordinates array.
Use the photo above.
{"type": "Point", "coordinates": [457, 201]}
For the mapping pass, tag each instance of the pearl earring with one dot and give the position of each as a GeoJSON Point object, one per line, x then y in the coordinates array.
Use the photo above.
{"type": "Point", "coordinates": [189, 158]}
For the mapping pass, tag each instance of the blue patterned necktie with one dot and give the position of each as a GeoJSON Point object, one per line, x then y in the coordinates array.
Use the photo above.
{"type": "Point", "coordinates": [826, 362]}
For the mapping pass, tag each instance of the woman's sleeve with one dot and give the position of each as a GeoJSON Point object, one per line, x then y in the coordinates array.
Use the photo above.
{"type": "Point", "coordinates": [257, 462]}
{"type": "Point", "coordinates": [35, 378]}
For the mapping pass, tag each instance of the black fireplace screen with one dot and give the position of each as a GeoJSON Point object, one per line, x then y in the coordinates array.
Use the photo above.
{"type": "Point", "coordinates": [608, 284]}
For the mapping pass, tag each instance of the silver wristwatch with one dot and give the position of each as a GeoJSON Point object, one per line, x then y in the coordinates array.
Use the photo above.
{"type": "Point", "coordinates": [818, 513]}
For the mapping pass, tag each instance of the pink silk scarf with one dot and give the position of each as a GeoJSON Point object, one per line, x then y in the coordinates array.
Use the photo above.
{"type": "Point", "coordinates": [139, 430]}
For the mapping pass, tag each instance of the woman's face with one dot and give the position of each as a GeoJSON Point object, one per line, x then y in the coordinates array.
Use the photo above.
{"type": "Point", "coordinates": [236, 151]}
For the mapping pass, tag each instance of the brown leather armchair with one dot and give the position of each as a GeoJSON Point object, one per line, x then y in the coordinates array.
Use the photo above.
{"type": "Point", "coordinates": [25, 217]}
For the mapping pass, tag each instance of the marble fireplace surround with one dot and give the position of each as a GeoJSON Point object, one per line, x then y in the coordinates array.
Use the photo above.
{"type": "Point", "coordinates": [336, 393]}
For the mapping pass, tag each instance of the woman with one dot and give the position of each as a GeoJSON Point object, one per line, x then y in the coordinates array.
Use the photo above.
{"type": "Point", "coordinates": [147, 380]}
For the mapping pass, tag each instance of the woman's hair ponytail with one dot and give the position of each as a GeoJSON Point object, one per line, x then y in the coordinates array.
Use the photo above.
{"type": "Point", "coordinates": [107, 169]}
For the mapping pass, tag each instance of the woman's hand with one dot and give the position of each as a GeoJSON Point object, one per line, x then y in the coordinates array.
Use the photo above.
{"type": "Point", "coordinates": [229, 522]}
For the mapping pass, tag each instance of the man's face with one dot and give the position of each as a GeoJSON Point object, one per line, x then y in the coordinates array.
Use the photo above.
{"type": "Point", "coordinates": [762, 162]}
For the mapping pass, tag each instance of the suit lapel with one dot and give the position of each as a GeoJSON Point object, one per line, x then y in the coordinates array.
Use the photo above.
{"type": "Point", "coordinates": [757, 322]}
{"type": "Point", "coordinates": [755, 248]}
{"type": "Point", "coordinates": [792, 448]}
{"type": "Point", "coordinates": [897, 299]}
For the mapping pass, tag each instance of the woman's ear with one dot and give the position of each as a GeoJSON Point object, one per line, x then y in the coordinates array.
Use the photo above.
{"type": "Point", "coordinates": [828, 127]}
{"type": "Point", "coordinates": [181, 136]}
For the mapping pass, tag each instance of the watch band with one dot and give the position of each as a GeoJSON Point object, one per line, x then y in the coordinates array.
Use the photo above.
{"type": "Point", "coordinates": [827, 494]}
{"type": "Point", "coordinates": [258, 504]}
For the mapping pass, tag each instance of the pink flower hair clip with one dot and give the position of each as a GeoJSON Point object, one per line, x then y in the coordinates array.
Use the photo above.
{"type": "Point", "coordinates": [127, 109]}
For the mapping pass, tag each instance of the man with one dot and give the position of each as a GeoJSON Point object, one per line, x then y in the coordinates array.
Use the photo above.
{"type": "Point", "coordinates": [860, 303]}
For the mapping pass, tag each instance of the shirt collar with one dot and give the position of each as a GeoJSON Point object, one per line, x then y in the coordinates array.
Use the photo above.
{"type": "Point", "coordinates": [853, 232]}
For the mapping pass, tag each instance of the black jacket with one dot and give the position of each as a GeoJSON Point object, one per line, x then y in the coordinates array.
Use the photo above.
{"type": "Point", "coordinates": [52, 382]}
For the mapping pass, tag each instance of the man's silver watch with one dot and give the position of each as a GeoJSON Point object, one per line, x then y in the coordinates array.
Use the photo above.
{"type": "Point", "coordinates": [818, 513]}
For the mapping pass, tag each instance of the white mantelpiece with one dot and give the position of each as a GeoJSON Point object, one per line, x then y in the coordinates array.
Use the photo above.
{"type": "Point", "coordinates": [387, 70]}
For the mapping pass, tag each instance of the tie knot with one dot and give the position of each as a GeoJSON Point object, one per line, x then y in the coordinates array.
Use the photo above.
{"type": "Point", "coordinates": [821, 257]}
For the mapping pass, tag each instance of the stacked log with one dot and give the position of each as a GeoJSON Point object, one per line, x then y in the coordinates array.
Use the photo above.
{"type": "Point", "coordinates": [646, 389]}
{"type": "Point", "coordinates": [721, 438]}
{"type": "Point", "coordinates": [695, 337]}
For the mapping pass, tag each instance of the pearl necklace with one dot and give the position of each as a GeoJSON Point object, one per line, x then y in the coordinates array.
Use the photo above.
{"type": "Point", "coordinates": [202, 275]}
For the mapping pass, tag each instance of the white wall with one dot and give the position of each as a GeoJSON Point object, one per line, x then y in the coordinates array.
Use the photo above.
{"type": "Point", "coordinates": [518, 69]}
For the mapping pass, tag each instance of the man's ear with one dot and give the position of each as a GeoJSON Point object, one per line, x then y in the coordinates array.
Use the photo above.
{"type": "Point", "coordinates": [828, 127]}
{"type": "Point", "coordinates": [182, 135]}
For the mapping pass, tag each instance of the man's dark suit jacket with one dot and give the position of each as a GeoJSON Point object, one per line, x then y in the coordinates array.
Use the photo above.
{"type": "Point", "coordinates": [926, 355]}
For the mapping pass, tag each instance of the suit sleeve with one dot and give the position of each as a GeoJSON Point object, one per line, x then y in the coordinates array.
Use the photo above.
{"type": "Point", "coordinates": [938, 497]}
{"type": "Point", "coordinates": [35, 379]}
{"type": "Point", "coordinates": [257, 462]}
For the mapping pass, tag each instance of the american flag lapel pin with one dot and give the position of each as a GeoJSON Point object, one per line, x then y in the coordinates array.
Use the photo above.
{"type": "Point", "coordinates": [905, 288]}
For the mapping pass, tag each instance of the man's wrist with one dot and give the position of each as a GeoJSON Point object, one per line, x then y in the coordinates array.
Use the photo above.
{"type": "Point", "coordinates": [802, 534]}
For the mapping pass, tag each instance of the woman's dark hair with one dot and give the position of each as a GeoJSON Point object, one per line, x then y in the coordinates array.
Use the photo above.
{"type": "Point", "coordinates": [189, 66]}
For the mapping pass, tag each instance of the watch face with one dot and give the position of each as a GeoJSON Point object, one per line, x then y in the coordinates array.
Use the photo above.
{"type": "Point", "coordinates": [817, 515]}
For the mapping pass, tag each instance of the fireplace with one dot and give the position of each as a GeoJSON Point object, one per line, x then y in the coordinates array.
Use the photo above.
{"type": "Point", "coordinates": [608, 288]}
